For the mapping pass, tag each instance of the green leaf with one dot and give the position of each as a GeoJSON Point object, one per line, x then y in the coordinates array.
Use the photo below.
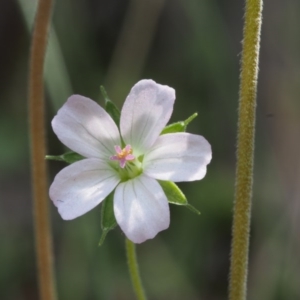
{"type": "Point", "coordinates": [175, 195]}
{"type": "Point", "coordinates": [174, 127]}
{"type": "Point", "coordinates": [193, 209]}
{"type": "Point", "coordinates": [110, 107]}
{"type": "Point", "coordinates": [179, 126]}
{"type": "Point", "coordinates": [108, 220]}
{"type": "Point", "coordinates": [173, 192]}
{"type": "Point", "coordinates": [69, 157]}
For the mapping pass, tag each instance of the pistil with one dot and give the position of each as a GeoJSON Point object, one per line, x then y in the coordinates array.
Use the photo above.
{"type": "Point", "coordinates": [123, 155]}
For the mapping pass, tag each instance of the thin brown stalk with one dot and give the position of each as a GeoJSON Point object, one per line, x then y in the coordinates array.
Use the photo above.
{"type": "Point", "coordinates": [38, 151]}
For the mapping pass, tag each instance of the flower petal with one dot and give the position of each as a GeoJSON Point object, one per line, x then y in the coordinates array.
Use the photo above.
{"type": "Point", "coordinates": [86, 128]}
{"type": "Point", "coordinates": [141, 208]}
{"type": "Point", "coordinates": [81, 186]}
{"type": "Point", "coordinates": [145, 113]}
{"type": "Point", "coordinates": [178, 157]}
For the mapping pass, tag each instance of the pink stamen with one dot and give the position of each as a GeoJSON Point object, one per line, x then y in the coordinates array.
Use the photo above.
{"type": "Point", "coordinates": [118, 149]}
{"type": "Point", "coordinates": [123, 155]}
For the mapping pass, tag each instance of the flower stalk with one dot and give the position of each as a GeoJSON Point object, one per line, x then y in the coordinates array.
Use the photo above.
{"type": "Point", "coordinates": [245, 150]}
{"type": "Point", "coordinates": [38, 151]}
{"type": "Point", "coordinates": [134, 270]}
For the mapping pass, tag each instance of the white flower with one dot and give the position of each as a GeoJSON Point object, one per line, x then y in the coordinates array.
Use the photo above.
{"type": "Point", "coordinates": [140, 205]}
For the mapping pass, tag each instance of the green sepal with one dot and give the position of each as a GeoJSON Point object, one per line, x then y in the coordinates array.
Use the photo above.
{"type": "Point", "coordinates": [179, 126]}
{"type": "Point", "coordinates": [110, 107]}
{"type": "Point", "coordinates": [69, 157]}
{"type": "Point", "coordinates": [175, 195]}
{"type": "Point", "coordinates": [108, 220]}
{"type": "Point", "coordinates": [173, 192]}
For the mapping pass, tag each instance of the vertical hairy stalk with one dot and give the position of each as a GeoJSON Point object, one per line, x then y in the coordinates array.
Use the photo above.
{"type": "Point", "coordinates": [245, 151]}
{"type": "Point", "coordinates": [134, 270]}
{"type": "Point", "coordinates": [38, 151]}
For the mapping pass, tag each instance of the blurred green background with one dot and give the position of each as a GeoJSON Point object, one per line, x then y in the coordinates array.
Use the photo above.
{"type": "Point", "coordinates": [193, 46]}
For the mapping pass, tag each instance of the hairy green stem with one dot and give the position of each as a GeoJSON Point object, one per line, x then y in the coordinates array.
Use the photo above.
{"type": "Point", "coordinates": [245, 151]}
{"type": "Point", "coordinates": [38, 151]}
{"type": "Point", "coordinates": [134, 270]}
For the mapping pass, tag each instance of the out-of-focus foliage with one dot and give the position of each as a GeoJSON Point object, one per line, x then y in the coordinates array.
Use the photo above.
{"type": "Point", "coordinates": [193, 46]}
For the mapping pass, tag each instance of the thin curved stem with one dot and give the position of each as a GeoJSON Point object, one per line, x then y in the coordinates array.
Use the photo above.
{"type": "Point", "coordinates": [38, 151]}
{"type": "Point", "coordinates": [134, 270]}
{"type": "Point", "coordinates": [245, 151]}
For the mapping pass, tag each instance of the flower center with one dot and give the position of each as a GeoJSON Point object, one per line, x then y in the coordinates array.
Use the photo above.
{"type": "Point", "coordinates": [129, 166]}
{"type": "Point", "coordinates": [123, 155]}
